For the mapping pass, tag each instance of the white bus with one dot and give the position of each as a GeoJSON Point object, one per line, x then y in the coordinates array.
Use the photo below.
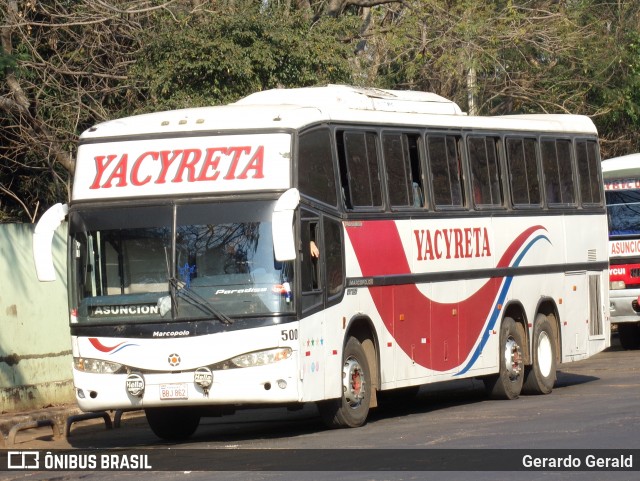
{"type": "Point", "coordinates": [622, 193]}
{"type": "Point", "coordinates": [328, 245]}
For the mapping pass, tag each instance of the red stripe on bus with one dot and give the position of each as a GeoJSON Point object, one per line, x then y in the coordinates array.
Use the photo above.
{"type": "Point", "coordinates": [380, 252]}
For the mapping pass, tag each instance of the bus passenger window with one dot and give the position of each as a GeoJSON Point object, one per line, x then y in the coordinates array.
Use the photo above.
{"type": "Point", "coordinates": [404, 174]}
{"type": "Point", "coordinates": [397, 168]}
{"type": "Point", "coordinates": [550, 167]}
{"type": "Point", "coordinates": [415, 159]}
{"type": "Point", "coordinates": [310, 256]}
{"type": "Point", "coordinates": [311, 259]}
{"type": "Point", "coordinates": [316, 176]}
{"type": "Point", "coordinates": [334, 257]}
{"type": "Point", "coordinates": [446, 170]}
{"type": "Point", "coordinates": [522, 164]}
{"type": "Point", "coordinates": [362, 174]}
{"type": "Point", "coordinates": [557, 163]}
{"type": "Point", "coordinates": [587, 158]}
{"type": "Point", "coordinates": [485, 171]}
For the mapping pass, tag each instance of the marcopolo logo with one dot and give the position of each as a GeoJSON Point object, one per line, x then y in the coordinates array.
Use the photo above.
{"type": "Point", "coordinates": [182, 333]}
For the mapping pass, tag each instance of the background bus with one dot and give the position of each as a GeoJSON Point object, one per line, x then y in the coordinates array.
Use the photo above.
{"type": "Point", "coordinates": [327, 245]}
{"type": "Point", "coordinates": [622, 190]}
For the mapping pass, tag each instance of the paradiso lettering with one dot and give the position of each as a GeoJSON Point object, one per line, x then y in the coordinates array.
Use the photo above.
{"type": "Point", "coordinates": [457, 243]}
{"type": "Point", "coordinates": [189, 165]}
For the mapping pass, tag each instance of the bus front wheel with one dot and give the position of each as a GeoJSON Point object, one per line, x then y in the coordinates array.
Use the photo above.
{"type": "Point", "coordinates": [352, 409]}
{"type": "Point", "coordinates": [507, 384]}
{"type": "Point", "coordinates": [541, 376]}
{"type": "Point", "coordinates": [173, 423]}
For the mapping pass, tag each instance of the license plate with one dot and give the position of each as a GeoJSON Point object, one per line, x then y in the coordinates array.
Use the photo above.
{"type": "Point", "coordinates": [173, 391]}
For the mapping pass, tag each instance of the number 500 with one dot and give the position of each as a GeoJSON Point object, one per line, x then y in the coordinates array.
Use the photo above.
{"type": "Point", "coordinates": [289, 335]}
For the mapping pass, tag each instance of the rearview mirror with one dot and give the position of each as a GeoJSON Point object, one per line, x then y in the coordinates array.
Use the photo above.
{"type": "Point", "coordinates": [42, 240]}
{"type": "Point", "coordinates": [282, 225]}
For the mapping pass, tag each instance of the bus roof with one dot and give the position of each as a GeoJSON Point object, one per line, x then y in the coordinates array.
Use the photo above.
{"type": "Point", "coordinates": [300, 107]}
{"type": "Point", "coordinates": [626, 166]}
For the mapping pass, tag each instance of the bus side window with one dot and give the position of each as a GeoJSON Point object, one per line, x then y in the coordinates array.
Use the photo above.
{"type": "Point", "coordinates": [550, 168]}
{"type": "Point", "coordinates": [446, 170]}
{"type": "Point", "coordinates": [333, 257]}
{"type": "Point", "coordinates": [403, 167]}
{"type": "Point", "coordinates": [397, 169]}
{"type": "Point", "coordinates": [311, 258]}
{"type": "Point", "coordinates": [360, 174]}
{"type": "Point", "coordinates": [316, 177]}
{"type": "Point", "coordinates": [485, 171]}
{"type": "Point", "coordinates": [415, 159]}
{"type": "Point", "coordinates": [587, 159]}
{"type": "Point", "coordinates": [524, 180]}
{"type": "Point", "coordinates": [557, 163]}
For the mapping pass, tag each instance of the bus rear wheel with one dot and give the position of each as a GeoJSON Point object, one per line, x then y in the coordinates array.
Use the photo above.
{"type": "Point", "coordinates": [541, 376]}
{"type": "Point", "coordinates": [352, 409]}
{"type": "Point", "coordinates": [507, 384]}
{"type": "Point", "coordinates": [173, 423]}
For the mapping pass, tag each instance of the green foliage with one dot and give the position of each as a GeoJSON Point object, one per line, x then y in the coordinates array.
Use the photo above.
{"type": "Point", "coordinates": [208, 58]}
{"type": "Point", "coordinates": [77, 62]}
{"type": "Point", "coordinates": [7, 63]}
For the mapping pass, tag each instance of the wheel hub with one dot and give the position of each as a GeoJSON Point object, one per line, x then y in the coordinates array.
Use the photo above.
{"type": "Point", "coordinates": [545, 354]}
{"type": "Point", "coordinates": [353, 382]}
{"type": "Point", "coordinates": [513, 359]}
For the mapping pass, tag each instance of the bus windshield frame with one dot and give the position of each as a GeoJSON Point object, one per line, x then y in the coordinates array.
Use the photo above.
{"type": "Point", "coordinates": [176, 261]}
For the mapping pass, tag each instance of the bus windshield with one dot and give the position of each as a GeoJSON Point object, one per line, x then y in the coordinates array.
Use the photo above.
{"type": "Point", "coordinates": [176, 262]}
{"type": "Point", "coordinates": [623, 207]}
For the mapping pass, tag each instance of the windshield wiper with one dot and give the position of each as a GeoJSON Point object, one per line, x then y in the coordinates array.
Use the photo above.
{"type": "Point", "coordinates": [197, 300]}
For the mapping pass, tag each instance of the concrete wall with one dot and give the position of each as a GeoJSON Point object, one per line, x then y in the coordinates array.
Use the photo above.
{"type": "Point", "coordinates": [35, 344]}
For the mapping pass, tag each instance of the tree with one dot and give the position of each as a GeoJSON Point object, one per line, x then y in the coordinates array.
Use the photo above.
{"type": "Point", "coordinates": [63, 67]}
{"type": "Point", "coordinates": [209, 57]}
{"type": "Point", "coordinates": [518, 57]}
{"type": "Point", "coordinates": [68, 64]}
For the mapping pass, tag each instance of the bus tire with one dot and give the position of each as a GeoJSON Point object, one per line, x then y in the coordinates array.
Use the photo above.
{"type": "Point", "coordinates": [507, 384]}
{"type": "Point", "coordinates": [541, 375]}
{"type": "Point", "coordinates": [173, 423]}
{"type": "Point", "coordinates": [629, 334]}
{"type": "Point", "coordinates": [352, 409]}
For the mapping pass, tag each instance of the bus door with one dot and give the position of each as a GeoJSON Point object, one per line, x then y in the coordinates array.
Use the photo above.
{"type": "Point", "coordinates": [312, 305]}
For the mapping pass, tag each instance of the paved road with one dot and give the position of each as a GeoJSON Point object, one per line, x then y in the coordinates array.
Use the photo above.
{"type": "Point", "coordinates": [595, 405]}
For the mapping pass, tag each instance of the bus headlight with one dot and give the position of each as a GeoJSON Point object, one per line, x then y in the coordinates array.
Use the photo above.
{"type": "Point", "coordinates": [616, 285]}
{"type": "Point", "coordinates": [262, 358]}
{"type": "Point", "coordinates": [97, 366]}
